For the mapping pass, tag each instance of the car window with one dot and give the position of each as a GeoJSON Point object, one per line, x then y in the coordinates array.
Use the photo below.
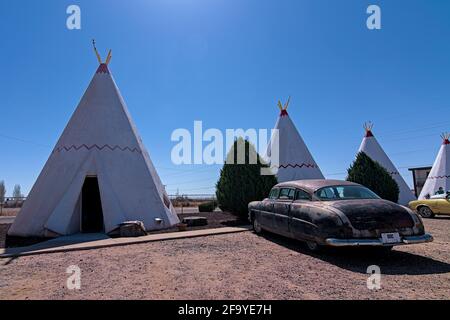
{"type": "Point", "coordinates": [274, 193]}
{"type": "Point", "coordinates": [302, 195]}
{"type": "Point", "coordinates": [287, 193]}
{"type": "Point", "coordinates": [327, 193]}
{"type": "Point", "coordinates": [292, 194]}
{"type": "Point", "coordinates": [345, 193]}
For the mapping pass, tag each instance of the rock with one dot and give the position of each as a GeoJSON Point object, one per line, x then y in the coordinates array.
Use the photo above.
{"type": "Point", "coordinates": [132, 229]}
{"type": "Point", "coordinates": [195, 221]}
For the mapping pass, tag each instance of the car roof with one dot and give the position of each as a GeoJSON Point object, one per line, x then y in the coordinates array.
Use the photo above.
{"type": "Point", "coordinates": [314, 184]}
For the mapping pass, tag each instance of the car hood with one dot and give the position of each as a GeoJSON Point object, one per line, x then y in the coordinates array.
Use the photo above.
{"type": "Point", "coordinates": [371, 214]}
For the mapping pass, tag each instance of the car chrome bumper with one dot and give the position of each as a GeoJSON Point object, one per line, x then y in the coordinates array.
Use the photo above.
{"type": "Point", "coordinates": [378, 242]}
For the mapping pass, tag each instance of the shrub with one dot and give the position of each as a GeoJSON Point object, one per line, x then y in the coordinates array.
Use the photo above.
{"type": "Point", "coordinates": [372, 175]}
{"type": "Point", "coordinates": [209, 206]}
{"type": "Point", "coordinates": [240, 184]}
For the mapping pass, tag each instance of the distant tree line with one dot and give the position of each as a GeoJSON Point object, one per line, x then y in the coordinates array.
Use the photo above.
{"type": "Point", "coordinates": [17, 192]}
{"type": "Point", "coordinates": [2, 191]}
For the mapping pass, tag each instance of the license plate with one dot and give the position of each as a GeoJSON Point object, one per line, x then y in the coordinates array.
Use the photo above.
{"type": "Point", "coordinates": [393, 237]}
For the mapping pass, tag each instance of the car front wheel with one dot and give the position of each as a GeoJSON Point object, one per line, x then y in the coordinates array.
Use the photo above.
{"type": "Point", "coordinates": [257, 226]}
{"type": "Point", "coordinates": [313, 246]}
{"type": "Point", "coordinates": [426, 212]}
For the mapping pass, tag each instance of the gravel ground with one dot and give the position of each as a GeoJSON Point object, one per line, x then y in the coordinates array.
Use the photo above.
{"type": "Point", "coordinates": [234, 266]}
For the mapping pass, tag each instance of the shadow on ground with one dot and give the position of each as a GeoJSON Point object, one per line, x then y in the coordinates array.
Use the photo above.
{"type": "Point", "coordinates": [441, 218]}
{"type": "Point", "coordinates": [56, 243]}
{"type": "Point", "coordinates": [358, 259]}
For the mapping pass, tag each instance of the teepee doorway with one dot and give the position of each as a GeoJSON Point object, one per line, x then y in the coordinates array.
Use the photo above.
{"type": "Point", "coordinates": [91, 207]}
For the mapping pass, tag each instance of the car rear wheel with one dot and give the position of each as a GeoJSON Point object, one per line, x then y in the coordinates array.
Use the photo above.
{"type": "Point", "coordinates": [384, 249]}
{"type": "Point", "coordinates": [426, 212]}
{"type": "Point", "coordinates": [257, 226]}
{"type": "Point", "coordinates": [312, 246]}
{"type": "Point", "coordinates": [381, 251]}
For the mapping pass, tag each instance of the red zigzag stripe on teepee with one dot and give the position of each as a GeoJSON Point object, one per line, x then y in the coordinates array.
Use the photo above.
{"type": "Point", "coordinates": [59, 149]}
{"type": "Point", "coordinates": [306, 165]}
{"type": "Point", "coordinates": [439, 177]}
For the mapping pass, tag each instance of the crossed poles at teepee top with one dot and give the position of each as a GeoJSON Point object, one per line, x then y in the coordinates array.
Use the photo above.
{"type": "Point", "coordinates": [108, 58]}
{"type": "Point", "coordinates": [286, 105]}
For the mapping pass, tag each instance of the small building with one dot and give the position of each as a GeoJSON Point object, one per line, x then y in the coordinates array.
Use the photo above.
{"type": "Point", "coordinates": [420, 175]}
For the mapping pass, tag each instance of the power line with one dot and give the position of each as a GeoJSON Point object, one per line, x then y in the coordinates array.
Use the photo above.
{"type": "Point", "coordinates": [385, 134]}
{"type": "Point", "coordinates": [182, 171]}
{"type": "Point", "coordinates": [24, 141]}
{"type": "Point", "coordinates": [430, 126]}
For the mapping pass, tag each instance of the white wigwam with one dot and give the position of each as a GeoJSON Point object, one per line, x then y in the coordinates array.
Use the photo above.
{"type": "Point", "coordinates": [440, 173]}
{"type": "Point", "coordinates": [372, 148]}
{"type": "Point", "coordinates": [295, 160]}
{"type": "Point", "coordinates": [100, 143]}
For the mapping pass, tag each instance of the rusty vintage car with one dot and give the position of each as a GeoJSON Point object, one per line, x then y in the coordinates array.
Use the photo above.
{"type": "Point", "coordinates": [336, 213]}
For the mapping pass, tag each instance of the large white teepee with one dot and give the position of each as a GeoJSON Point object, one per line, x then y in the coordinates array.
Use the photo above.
{"type": "Point", "coordinates": [295, 160]}
{"type": "Point", "coordinates": [99, 174]}
{"type": "Point", "coordinates": [440, 173]}
{"type": "Point", "coordinates": [372, 148]}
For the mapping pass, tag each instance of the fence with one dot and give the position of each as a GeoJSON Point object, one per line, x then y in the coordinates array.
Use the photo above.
{"type": "Point", "coordinates": [13, 202]}
{"type": "Point", "coordinates": [194, 197]}
{"type": "Point", "coordinates": [190, 200]}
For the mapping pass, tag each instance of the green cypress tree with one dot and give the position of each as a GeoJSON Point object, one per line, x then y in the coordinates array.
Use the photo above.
{"type": "Point", "coordinates": [241, 182]}
{"type": "Point", "coordinates": [372, 175]}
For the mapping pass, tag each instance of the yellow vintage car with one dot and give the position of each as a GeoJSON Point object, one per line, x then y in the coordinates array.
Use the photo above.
{"type": "Point", "coordinates": [428, 208]}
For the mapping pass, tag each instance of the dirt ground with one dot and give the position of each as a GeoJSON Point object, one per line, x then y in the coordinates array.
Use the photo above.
{"type": "Point", "coordinates": [234, 266]}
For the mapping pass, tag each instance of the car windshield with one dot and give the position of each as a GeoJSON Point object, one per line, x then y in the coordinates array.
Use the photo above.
{"type": "Point", "coordinates": [345, 193]}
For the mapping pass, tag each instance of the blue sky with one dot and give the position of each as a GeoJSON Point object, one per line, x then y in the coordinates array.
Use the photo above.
{"type": "Point", "coordinates": [227, 62]}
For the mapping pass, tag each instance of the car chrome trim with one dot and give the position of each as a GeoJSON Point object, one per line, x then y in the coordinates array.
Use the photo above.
{"type": "Point", "coordinates": [377, 242]}
{"type": "Point", "coordinates": [305, 222]}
